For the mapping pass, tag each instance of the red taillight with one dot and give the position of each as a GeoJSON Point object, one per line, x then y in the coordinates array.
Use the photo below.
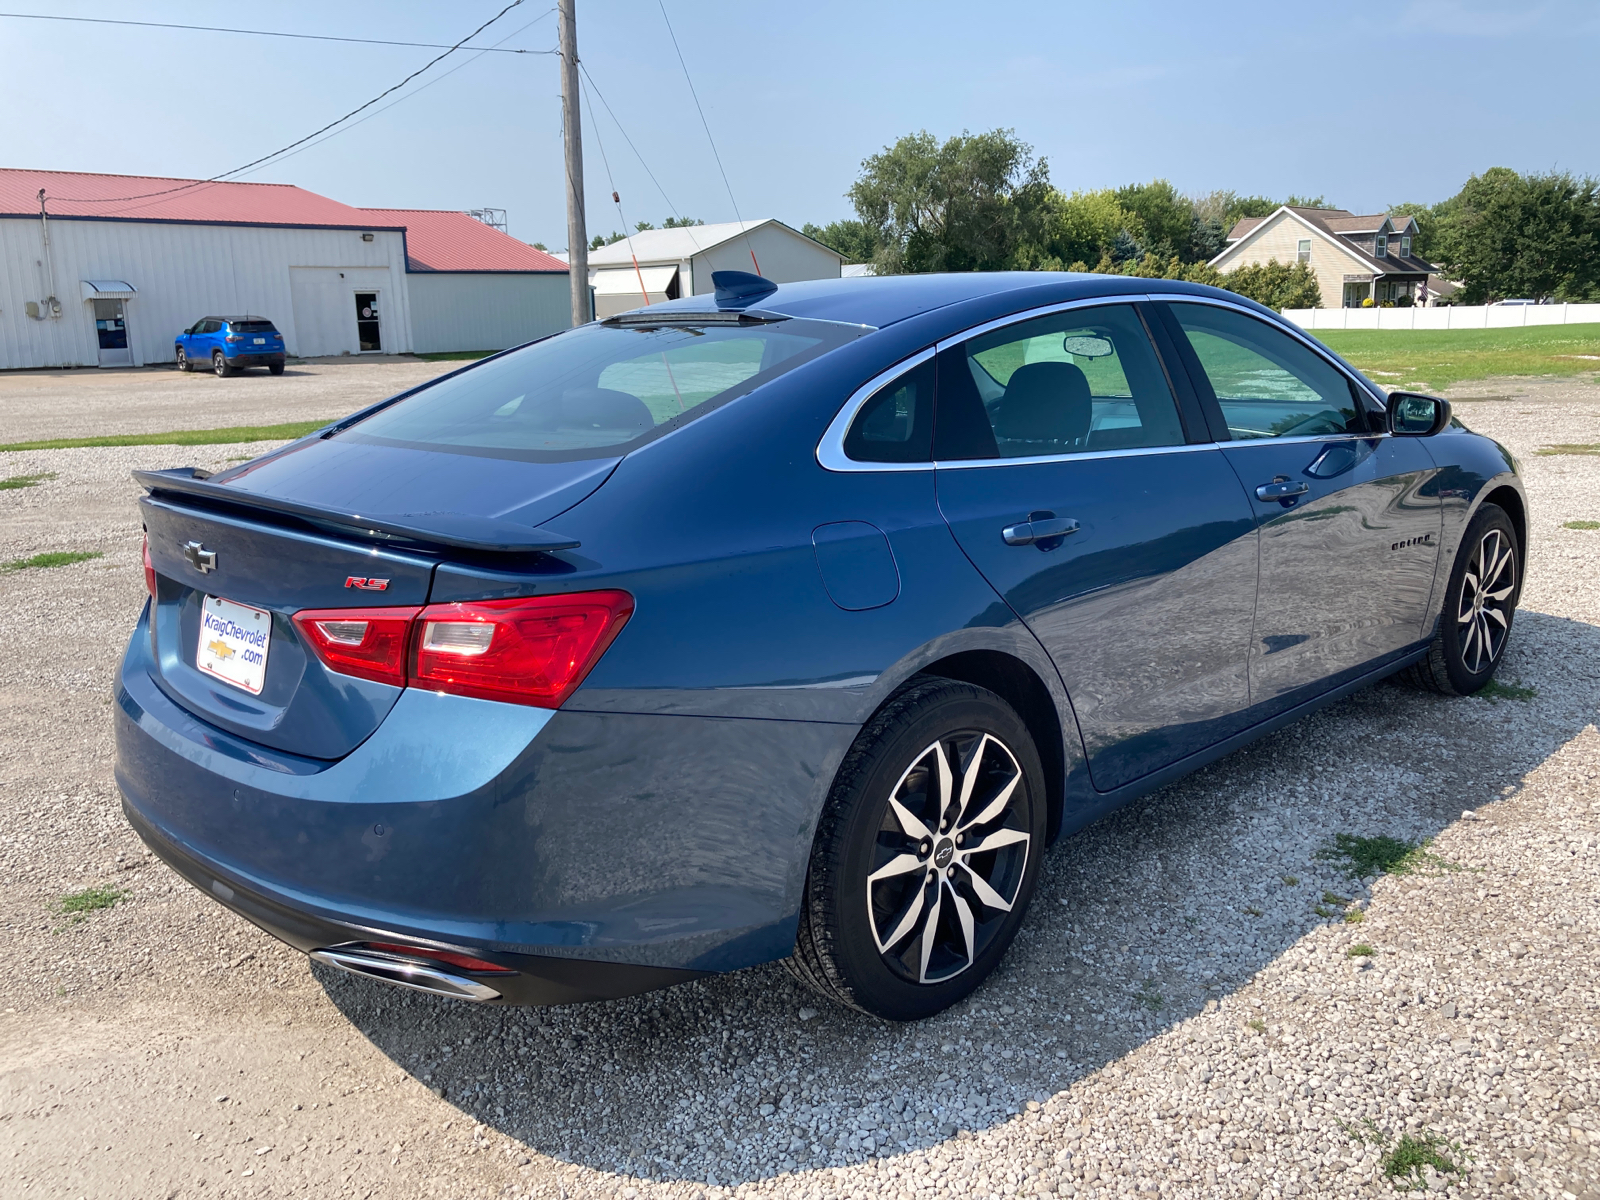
{"type": "Point", "coordinates": [465, 962]}
{"type": "Point", "coordinates": [149, 570]}
{"type": "Point", "coordinates": [369, 643]}
{"type": "Point", "coordinates": [534, 650]}
{"type": "Point", "coordinates": [233, 338]}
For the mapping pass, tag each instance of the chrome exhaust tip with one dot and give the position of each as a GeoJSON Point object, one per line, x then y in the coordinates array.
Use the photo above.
{"type": "Point", "coordinates": [406, 973]}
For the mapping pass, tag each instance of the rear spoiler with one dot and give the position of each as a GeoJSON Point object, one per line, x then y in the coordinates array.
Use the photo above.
{"type": "Point", "coordinates": [456, 531]}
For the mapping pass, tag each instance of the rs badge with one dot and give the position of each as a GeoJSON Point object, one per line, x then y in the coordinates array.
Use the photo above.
{"type": "Point", "coordinates": [366, 585]}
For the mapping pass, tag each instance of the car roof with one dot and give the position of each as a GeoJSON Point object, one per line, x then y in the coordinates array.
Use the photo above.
{"type": "Point", "coordinates": [232, 320]}
{"type": "Point", "coordinates": [885, 299]}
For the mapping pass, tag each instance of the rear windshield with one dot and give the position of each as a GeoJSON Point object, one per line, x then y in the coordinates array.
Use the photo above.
{"type": "Point", "coordinates": [251, 327]}
{"type": "Point", "coordinates": [598, 390]}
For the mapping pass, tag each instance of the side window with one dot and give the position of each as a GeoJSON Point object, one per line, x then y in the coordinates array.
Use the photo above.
{"type": "Point", "coordinates": [1266, 383]}
{"type": "Point", "coordinates": [1070, 383]}
{"type": "Point", "coordinates": [212, 327]}
{"type": "Point", "coordinates": [895, 425]}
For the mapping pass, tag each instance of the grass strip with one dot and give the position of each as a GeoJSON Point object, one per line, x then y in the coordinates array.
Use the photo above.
{"type": "Point", "coordinates": [1439, 358]}
{"type": "Point", "coordinates": [457, 356]}
{"type": "Point", "coordinates": [1568, 525]}
{"type": "Point", "coordinates": [51, 558]}
{"type": "Point", "coordinates": [181, 437]}
{"type": "Point", "coordinates": [1362, 856]}
{"type": "Point", "coordinates": [23, 481]}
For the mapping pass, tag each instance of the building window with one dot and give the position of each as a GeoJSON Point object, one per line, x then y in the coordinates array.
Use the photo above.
{"type": "Point", "coordinates": [1405, 247]}
{"type": "Point", "coordinates": [1381, 248]}
{"type": "Point", "coordinates": [1305, 250]}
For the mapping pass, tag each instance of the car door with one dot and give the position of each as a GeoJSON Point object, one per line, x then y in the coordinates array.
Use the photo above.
{"type": "Point", "coordinates": [1108, 523]}
{"type": "Point", "coordinates": [1349, 537]}
{"type": "Point", "coordinates": [201, 343]}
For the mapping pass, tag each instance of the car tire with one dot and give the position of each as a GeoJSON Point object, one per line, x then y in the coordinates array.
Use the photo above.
{"type": "Point", "coordinates": [1475, 621]}
{"type": "Point", "coordinates": [183, 360]}
{"type": "Point", "coordinates": [898, 920]}
{"type": "Point", "coordinates": [219, 364]}
{"type": "Point", "coordinates": [275, 368]}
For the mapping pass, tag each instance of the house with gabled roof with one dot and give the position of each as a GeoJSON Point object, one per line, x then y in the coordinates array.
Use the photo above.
{"type": "Point", "coordinates": [1355, 258]}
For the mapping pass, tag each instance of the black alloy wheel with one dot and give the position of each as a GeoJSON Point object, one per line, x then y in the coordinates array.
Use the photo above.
{"type": "Point", "coordinates": [219, 364]}
{"type": "Point", "coordinates": [926, 855]}
{"type": "Point", "coordinates": [1479, 607]}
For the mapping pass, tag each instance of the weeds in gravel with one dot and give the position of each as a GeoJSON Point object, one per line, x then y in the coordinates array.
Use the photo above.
{"type": "Point", "coordinates": [1149, 997]}
{"type": "Point", "coordinates": [1383, 855]}
{"type": "Point", "coordinates": [1354, 917]}
{"type": "Point", "coordinates": [76, 906]}
{"type": "Point", "coordinates": [1257, 1024]}
{"type": "Point", "coordinates": [22, 481]}
{"type": "Point", "coordinates": [1290, 880]}
{"type": "Point", "coordinates": [1567, 525]}
{"type": "Point", "coordinates": [1405, 1162]}
{"type": "Point", "coordinates": [1495, 690]}
{"type": "Point", "coordinates": [1360, 950]}
{"type": "Point", "coordinates": [53, 558]}
{"type": "Point", "coordinates": [1253, 911]}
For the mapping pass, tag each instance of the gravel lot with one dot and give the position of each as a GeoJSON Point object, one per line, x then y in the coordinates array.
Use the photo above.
{"type": "Point", "coordinates": [1181, 1017]}
{"type": "Point", "coordinates": [40, 405]}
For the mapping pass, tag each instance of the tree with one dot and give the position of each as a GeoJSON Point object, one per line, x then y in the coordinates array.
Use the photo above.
{"type": "Point", "coordinates": [681, 222]}
{"type": "Point", "coordinates": [853, 239]}
{"type": "Point", "coordinates": [1167, 217]}
{"type": "Point", "coordinates": [976, 202]}
{"type": "Point", "coordinates": [1275, 284]}
{"type": "Point", "coordinates": [1533, 236]}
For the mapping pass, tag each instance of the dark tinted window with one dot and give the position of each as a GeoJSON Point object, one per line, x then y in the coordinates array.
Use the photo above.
{"type": "Point", "coordinates": [598, 390]}
{"type": "Point", "coordinates": [1078, 381]}
{"type": "Point", "coordinates": [1267, 383]}
{"type": "Point", "coordinates": [895, 425]}
{"type": "Point", "coordinates": [252, 327]}
{"type": "Point", "coordinates": [211, 326]}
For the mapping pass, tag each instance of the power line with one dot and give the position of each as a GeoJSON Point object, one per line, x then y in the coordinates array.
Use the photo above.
{"type": "Point", "coordinates": [309, 37]}
{"type": "Point", "coordinates": [709, 138]}
{"type": "Point", "coordinates": [481, 51]}
{"type": "Point", "coordinates": [671, 207]}
{"type": "Point", "coordinates": [315, 133]}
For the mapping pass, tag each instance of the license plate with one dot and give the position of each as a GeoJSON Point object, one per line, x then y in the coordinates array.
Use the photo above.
{"type": "Point", "coordinates": [259, 341]}
{"type": "Point", "coordinates": [234, 639]}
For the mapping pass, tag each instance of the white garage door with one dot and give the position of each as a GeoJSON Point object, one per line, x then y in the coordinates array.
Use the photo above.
{"type": "Point", "coordinates": [325, 306]}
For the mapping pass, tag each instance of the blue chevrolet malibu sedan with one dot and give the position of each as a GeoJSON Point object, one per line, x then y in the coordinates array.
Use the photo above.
{"type": "Point", "coordinates": [793, 622]}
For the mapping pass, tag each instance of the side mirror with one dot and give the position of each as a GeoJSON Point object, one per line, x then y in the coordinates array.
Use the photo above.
{"type": "Point", "coordinates": [1413, 415]}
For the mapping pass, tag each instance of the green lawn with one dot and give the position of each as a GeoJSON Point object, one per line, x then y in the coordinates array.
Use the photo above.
{"type": "Point", "coordinates": [180, 437]}
{"type": "Point", "coordinates": [1435, 359]}
{"type": "Point", "coordinates": [457, 355]}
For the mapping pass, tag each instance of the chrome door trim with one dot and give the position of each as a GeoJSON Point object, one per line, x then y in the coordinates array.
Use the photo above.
{"type": "Point", "coordinates": [830, 450]}
{"type": "Point", "coordinates": [963, 464]}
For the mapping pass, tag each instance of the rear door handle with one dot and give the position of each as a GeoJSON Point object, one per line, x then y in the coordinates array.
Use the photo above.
{"type": "Point", "coordinates": [1282, 489]}
{"type": "Point", "coordinates": [1026, 533]}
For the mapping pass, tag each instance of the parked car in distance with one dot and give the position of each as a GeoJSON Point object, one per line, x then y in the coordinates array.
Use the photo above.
{"type": "Point", "coordinates": [789, 622]}
{"type": "Point", "coordinates": [230, 344]}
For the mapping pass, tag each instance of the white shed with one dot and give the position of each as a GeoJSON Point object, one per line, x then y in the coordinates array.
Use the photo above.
{"type": "Point", "coordinates": [105, 270]}
{"type": "Point", "coordinates": [678, 262]}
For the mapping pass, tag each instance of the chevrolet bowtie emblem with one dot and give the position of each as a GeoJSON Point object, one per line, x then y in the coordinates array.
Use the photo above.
{"type": "Point", "coordinates": [201, 559]}
{"type": "Point", "coordinates": [220, 648]}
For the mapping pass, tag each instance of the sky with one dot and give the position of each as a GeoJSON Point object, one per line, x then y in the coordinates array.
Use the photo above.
{"type": "Point", "coordinates": [1367, 104]}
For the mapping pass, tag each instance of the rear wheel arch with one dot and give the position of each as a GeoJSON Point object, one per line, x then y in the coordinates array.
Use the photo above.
{"type": "Point", "coordinates": [1015, 682]}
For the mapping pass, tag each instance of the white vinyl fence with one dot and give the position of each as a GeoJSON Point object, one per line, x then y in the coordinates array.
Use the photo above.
{"type": "Point", "coordinates": [1493, 316]}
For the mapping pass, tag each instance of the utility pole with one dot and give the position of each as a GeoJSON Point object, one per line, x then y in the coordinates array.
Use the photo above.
{"type": "Point", "coordinates": [572, 137]}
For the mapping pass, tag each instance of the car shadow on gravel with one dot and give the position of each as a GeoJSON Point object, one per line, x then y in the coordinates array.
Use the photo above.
{"type": "Point", "coordinates": [1140, 921]}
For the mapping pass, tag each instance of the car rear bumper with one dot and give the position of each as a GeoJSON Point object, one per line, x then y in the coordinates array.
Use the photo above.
{"type": "Point", "coordinates": [597, 854]}
{"type": "Point", "coordinates": [257, 360]}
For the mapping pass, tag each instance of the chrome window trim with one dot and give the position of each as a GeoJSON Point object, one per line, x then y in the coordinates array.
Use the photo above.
{"type": "Point", "coordinates": [1288, 327]}
{"type": "Point", "coordinates": [830, 449]}
{"type": "Point", "coordinates": [963, 464]}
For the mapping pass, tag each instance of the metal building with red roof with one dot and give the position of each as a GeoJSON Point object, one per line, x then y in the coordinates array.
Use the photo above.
{"type": "Point", "coordinates": [107, 269]}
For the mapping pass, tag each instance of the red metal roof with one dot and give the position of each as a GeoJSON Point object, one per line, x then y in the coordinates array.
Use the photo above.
{"type": "Point", "coordinates": [151, 198]}
{"type": "Point", "coordinates": [453, 241]}
{"type": "Point", "coordinates": [435, 241]}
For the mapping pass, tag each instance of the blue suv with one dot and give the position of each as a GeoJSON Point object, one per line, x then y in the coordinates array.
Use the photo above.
{"type": "Point", "coordinates": [231, 344]}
